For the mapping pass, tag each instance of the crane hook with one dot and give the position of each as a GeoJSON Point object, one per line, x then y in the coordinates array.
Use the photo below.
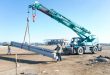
{"type": "Point", "coordinates": [33, 15]}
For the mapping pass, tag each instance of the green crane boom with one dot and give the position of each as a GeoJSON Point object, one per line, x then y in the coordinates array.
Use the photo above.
{"type": "Point", "coordinates": [82, 32]}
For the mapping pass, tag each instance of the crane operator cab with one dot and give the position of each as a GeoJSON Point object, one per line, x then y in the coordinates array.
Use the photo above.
{"type": "Point", "coordinates": [77, 45]}
{"type": "Point", "coordinates": [76, 41]}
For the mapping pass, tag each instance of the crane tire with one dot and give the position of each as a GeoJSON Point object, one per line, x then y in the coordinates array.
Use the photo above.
{"type": "Point", "coordinates": [80, 51]}
{"type": "Point", "coordinates": [94, 50]}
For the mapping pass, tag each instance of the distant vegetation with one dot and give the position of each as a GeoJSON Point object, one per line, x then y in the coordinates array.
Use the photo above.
{"type": "Point", "coordinates": [105, 44]}
{"type": "Point", "coordinates": [33, 44]}
{"type": "Point", "coordinates": [4, 43]}
{"type": "Point", "coordinates": [36, 44]}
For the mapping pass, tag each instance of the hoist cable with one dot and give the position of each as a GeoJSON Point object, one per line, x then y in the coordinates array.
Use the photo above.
{"type": "Point", "coordinates": [27, 31]}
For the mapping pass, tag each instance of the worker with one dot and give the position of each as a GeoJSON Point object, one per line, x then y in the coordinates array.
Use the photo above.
{"type": "Point", "coordinates": [71, 45]}
{"type": "Point", "coordinates": [72, 48]}
{"type": "Point", "coordinates": [9, 50]}
{"type": "Point", "coordinates": [58, 50]}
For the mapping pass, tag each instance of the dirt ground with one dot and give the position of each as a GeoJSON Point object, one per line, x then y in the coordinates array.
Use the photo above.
{"type": "Point", "coordinates": [30, 63]}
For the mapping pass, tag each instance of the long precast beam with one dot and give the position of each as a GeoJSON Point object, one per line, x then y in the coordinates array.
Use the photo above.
{"type": "Point", "coordinates": [39, 50]}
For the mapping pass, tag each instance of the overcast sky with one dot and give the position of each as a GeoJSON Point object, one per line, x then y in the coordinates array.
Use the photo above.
{"type": "Point", "coordinates": [94, 15]}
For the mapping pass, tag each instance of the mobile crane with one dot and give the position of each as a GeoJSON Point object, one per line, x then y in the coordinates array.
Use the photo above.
{"type": "Point", "coordinates": [86, 42]}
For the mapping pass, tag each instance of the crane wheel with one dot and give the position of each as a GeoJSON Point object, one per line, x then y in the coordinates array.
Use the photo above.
{"type": "Point", "coordinates": [80, 51]}
{"type": "Point", "coordinates": [94, 50]}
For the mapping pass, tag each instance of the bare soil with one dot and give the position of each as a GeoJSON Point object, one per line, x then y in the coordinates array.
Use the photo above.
{"type": "Point", "coordinates": [30, 63]}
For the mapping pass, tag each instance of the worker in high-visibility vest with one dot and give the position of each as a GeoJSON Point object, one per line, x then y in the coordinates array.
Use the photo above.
{"type": "Point", "coordinates": [58, 50]}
